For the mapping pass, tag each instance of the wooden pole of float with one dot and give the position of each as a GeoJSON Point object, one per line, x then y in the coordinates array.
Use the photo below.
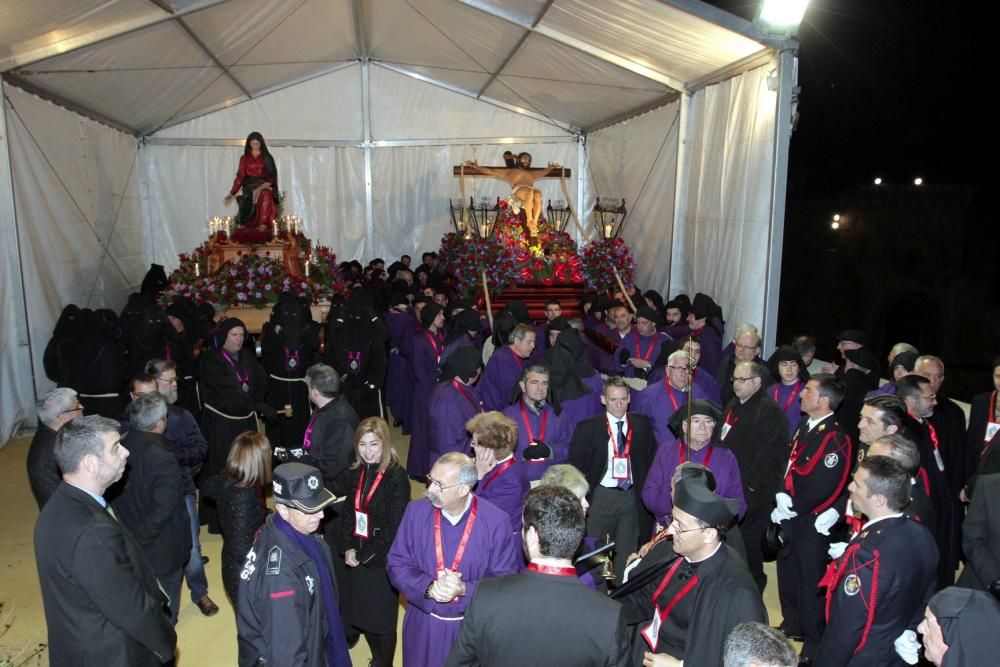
{"type": "Point", "coordinates": [489, 306]}
{"type": "Point", "coordinates": [621, 285]}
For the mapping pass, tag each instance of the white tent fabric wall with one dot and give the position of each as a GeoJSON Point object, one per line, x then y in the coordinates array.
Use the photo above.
{"type": "Point", "coordinates": [77, 210]}
{"type": "Point", "coordinates": [16, 399]}
{"type": "Point", "coordinates": [186, 184]}
{"type": "Point", "coordinates": [721, 243]}
{"type": "Point", "coordinates": [636, 160]}
{"type": "Point", "coordinates": [411, 187]}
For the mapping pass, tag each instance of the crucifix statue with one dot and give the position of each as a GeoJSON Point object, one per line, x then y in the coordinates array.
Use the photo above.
{"type": "Point", "coordinates": [521, 177]}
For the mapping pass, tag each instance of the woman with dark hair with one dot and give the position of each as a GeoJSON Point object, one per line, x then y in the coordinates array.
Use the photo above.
{"type": "Point", "coordinates": [377, 491]}
{"type": "Point", "coordinates": [238, 492]}
{"type": "Point", "coordinates": [257, 177]}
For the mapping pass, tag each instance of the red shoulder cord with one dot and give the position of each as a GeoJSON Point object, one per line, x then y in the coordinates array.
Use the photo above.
{"type": "Point", "coordinates": [834, 575]}
{"type": "Point", "coordinates": [807, 469]}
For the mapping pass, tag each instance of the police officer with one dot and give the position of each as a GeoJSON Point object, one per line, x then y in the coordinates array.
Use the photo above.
{"type": "Point", "coordinates": [287, 610]}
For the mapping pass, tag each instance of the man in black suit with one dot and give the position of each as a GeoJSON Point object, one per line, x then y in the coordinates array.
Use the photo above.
{"type": "Point", "coordinates": [55, 408]}
{"type": "Point", "coordinates": [615, 451]}
{"type": "Point", "coordinates": [544, 616]}
{"type": "Point", "coordinates": [102, 602]}
{"type": "Point", "coordinates": [755, 428]}
{"type": "Point", "coordinates": [151, 504]}
{"type": "Point", "coordinates": [981, 538]}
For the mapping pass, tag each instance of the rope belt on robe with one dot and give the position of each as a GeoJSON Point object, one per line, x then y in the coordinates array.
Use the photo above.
{"type": "Point", "coordinates": [253, 413]}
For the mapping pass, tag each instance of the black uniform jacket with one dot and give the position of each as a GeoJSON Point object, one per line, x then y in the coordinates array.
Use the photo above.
{"type": "Point", "coordinates": [758, 436]}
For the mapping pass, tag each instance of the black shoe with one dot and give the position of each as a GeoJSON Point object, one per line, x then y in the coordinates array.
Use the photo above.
{"type": "Point", "coordinates": [204, 560]}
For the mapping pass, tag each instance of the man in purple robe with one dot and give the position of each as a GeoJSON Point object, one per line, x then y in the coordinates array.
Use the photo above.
{"type": "Point", "coordinates": [676, 325]}
{"type": "Point", "coordinates": [637, 350]}
{"type": "Point", "coordinates": [698, 448]}
{"type": "Point", "coordinates": [505, 367]}
{"type": "Point", "coordinates": [790, 377]}
{"type": "Point", "coordinates": [661, 400]}
{"type": "Point", "coordinates": [501, 476]}
{"type": "Point", "coordinates": [400, 322]}
{"type": "Point", "coordinates": [446, 544]}
{"type": "Point", "coordinates": [542, 435]}
{"type": "Point", "coordinates": [454, 402]}
{"type": "Point", "coordinates": [425, 352]}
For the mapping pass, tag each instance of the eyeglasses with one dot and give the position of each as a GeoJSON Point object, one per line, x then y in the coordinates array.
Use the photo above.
{"type": "Point", "coordinates": [929, 398]}
{"type": "Point", "coordinates": [164, 380]}
{"type": "Point", "coordinates": [679, 368]}
{"type": "Point", "coordinates": [679, 529]}
{"type": "Point", "coordinates": [441, 487]}
{"type": "Point", "coordinates": [739, 380]}
{"type": "Point", "coordinates": [78, 407]}
{"type": "Point", "coordinates": [747, 347]}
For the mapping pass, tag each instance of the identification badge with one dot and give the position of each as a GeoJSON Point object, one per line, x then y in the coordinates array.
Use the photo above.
{"type": "Point", "coordinates": [245, 387]}
{"type": "Point", "coordinates": [991, 430]}
{"type": "Point", "coordinates": [292, 363]}
{"type": "Point", "coordinates": [651, 633]}
{"type": "Point", "coordinates": [619, 467]}
{"type": "Point", "coordinates": [939, 460]}
{"type": "Point", "coordinates": [725, 431]}
{"type": "Point", "coordinates": [360, 524]}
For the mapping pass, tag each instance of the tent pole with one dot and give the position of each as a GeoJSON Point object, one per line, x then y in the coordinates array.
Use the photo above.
{"type": "Point", "coordinates": [367, 130]}
{"type": "Point", "coordinates": [582, 182]}
{"type": "Point", "coordinates": [12, 243]}
{"type": "Point", "coordinates": [787, 81]}
{"type": "Point", "coordinates": [680, 199]}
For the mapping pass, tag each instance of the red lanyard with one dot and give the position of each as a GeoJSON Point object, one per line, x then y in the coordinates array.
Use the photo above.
{"type": "Point", "coordinates": [680, 594]}
{"type": "Point", "coordinates": [549, 569]}
{"type": "Point", "coordinates": [729, 416]}
{"type": "Point", "coordinates": [628, 438]}
{"type": "Point", "coordinates": [307, 439]}
{"type": "Point", "coordinates": [436, 344]}
{"type": "Point", "coordinates": [638, 347]}
{"type": "Point", "coordinates": [520, 364]}
{"type": "Point", "coordinates": [461, 545]}
{"type": "Point", "coordinates": [496, 473]}
{"type": "Point", "coordinates": [465, 392]}
{"type": "Point", "coordinates": [682, 459]}
{"type": "Point", "coordinates": [670, 393]}
{"type": "Point", "coordinates": [933, 434]}
{"type": "Point", "coordinates": [541, 426]}
{"type": "Point", "coordinates": [795, 392]}
{"type": "Point", "coordinates": [371, 492]}
{"type": "Point", "coordinates": [244, 379]}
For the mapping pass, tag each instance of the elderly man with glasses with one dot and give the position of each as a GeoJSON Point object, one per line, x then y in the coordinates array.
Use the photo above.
{"type": "Point", "coordinates": [446, 544]}
{"type": "Point", "coordinates": [54, 409]}
{"type": "Point", "coordinates": [755, 428]}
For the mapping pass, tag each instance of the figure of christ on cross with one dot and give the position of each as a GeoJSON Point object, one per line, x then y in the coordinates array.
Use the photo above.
{"type": "Point", "coordinates": [521, 178]}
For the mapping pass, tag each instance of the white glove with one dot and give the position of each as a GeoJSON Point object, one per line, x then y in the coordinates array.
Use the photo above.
{"type": "Point", "coordinates": [907, 646]}
{"type": "Point", "coordinates": [837, 549]}
{"type": "Point", "coordinates": [783, 511]}
{"type": "Point", "coordinates": [826, 520]}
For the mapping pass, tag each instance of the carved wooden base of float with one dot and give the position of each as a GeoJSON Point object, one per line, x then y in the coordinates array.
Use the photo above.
{"type": "Point", "coordinates": [292, 252]}
{"type": "Point", "coordinates": [534, 296]}
{"type": "Point", "coordinates": [255, 318]}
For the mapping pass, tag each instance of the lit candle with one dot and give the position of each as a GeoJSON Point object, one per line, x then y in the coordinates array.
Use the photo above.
{"type": "Point", "coordinates": [275, 227]}
{"type": "Point", "coordinates": [308, 262]}
{"type": "Point", "coordinates": [607, 231]}
{"type": "Point", "coordinates": [197, 269]}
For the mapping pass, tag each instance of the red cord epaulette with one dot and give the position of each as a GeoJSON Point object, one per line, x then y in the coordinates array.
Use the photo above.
{"type": "Point", "coordinates": [844, 450]}
{"type": "Point", "coordinates": [872, 602]}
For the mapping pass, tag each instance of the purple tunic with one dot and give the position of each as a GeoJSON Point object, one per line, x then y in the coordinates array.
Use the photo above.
{"type": "Point", "coordinates": [639, 347]}
{"type": "Point", "coordinates": [711, 349]}
{"type": "Point", "coordinates": [507, 490]}
{"type": "Point", "coordinates": [424, 357]}
{"type": "Point", "coordinates": [887, 388]}
{"type": "Point", "coordinates": [449, 409]}
{"type": "Point", "coordinates": [430, 628]}
{"type": "Point", "coordinates": [576, 410]}
{"type": "Point", "coordinates": [556, 436]}
{"type": "Point", "coordinates": [659, 402]}
{"type": "Point", "coordinates": [656, 490]}
{"type": "Point", "coordinates": [503, 371]}
{"type": "Point", "coordinates": [677, 331]}
{"type": "Point", "coordinates": [787, 396]}
{"type": "Point", "coordinates": [399, 379]}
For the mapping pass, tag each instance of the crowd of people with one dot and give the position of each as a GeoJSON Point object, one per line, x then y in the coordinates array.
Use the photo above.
{"type": "Point", "coordinates": [601, 487]}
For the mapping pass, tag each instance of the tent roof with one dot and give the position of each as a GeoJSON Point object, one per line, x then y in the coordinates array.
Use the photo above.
{"type": "Point", "coordinates": [143, 65]}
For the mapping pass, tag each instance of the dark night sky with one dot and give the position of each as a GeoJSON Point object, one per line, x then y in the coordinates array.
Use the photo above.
{"type": "Point", "coordinates": [889, 88]}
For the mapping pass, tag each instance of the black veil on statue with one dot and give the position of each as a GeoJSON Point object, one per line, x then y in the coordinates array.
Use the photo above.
{"type": "Point", "coordinates": [246, 204]}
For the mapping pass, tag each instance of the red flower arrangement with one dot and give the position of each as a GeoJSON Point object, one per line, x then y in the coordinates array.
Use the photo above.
{"type": "Point", "coordinates": [509, 256]}
{"type": "Point", "coordinates": [598, 259]}
{"type": "Point", "coordinates": [324, 275]}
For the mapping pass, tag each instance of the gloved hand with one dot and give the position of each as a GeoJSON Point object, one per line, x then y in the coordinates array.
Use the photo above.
{"type": "Point", "coordinates": [837, 549]}
{"type": "Point", "coordinates": [281, 454]}
{"type": "Point", "coordinates": [267, 413]}
{"type": "Point", "coordinates": [783, 510]}
{"type": "Point", "coordinates": [826, 520]}
{"type": "Point", "coordinates": [907, 646]}
{"type": "Point", "coordinates": [537, 451]}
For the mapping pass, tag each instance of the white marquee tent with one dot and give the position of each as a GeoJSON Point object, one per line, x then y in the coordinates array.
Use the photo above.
{"type": "Point", "coordinates": [123, 121]}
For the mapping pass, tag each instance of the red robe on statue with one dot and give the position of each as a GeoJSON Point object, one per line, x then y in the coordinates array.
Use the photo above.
{"type": "Point", "coordinates": [252, 173]}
